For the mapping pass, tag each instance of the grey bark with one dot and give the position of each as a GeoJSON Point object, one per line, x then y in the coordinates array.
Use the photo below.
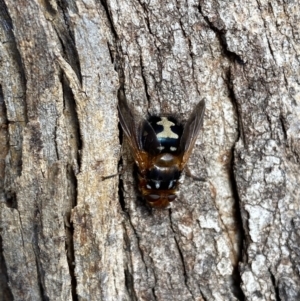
{"type": "Point", "coordinates": [72, 226]}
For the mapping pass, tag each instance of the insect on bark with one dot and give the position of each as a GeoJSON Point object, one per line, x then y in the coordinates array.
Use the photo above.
{"type": "Point", "coordinates": [161, 148]}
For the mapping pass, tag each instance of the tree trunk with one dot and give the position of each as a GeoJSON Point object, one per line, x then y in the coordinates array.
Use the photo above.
{"type": "Point", "coordinates": [73, 227]}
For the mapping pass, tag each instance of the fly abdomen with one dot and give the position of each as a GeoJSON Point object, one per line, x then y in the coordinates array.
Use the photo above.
{"type": "Point", "coordinates": [162, 178]}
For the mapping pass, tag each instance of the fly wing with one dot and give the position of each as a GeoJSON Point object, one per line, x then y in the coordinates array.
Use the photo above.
{"type": "Point", "coordinates": [129, 125]}
{"type": "Point", "coordinates": [191, 131]}
{"type": "Point", "coordinates": [137, 133]}
{"type": "Point", "coordinates": [149, 139]}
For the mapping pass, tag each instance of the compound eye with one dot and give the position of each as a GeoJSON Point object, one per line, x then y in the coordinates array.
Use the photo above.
{"type": "Point", "coordinates": [171, 197]}
{"type": "Point", "coordinates": [153, 197]}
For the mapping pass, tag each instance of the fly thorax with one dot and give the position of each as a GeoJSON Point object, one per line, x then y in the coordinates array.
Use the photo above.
{"type": "Point", "coordinates": [168, 133]}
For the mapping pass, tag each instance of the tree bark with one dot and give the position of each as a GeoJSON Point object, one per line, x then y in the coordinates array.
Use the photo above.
{"type": "Point", "coordinates": [73, 226]}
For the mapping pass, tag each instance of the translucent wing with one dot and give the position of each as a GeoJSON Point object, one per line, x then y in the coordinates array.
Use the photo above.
{"type": "Point", "coordinates": [138, 133]}
{"type": "Point", "coordinates": [149, 139]}
{"type": "Point", "coordinates": [129, 125]}
{"type": "Point", "coordinates": [191, 131]}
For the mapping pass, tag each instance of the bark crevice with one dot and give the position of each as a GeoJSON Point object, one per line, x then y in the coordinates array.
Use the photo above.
{"type": "Point", "coordinates": [129, 285]}
{"type": "Point", "coordinates": [67, 40]}
{"type": "Point", "coordinates": [120, 185]}
{"type": "Point", "coordinates": [73, 166]}
{"type": "Point", "coordinates": [129, 280]}
{"type": "Point", "coordinates": [181, 256]}
{"type": "Point", "coordinates": [220, 34]}
{"type": "Point", "coordinates": [276, 288]}
{"type": "Point", "coordinates": [36, 250]}
{"type": "Point", "coordinates": [70, 110]}
{"type": "Point", "coordinates": [109, 18]}
{"type": "Point", "coordinates": [69, 230]}
{"type": "Point", "coordinates": [237, 291]}
{"type": "Point", "coordinates": [144, 80]}
{"type": "Point", "coordinates": [4, 278]}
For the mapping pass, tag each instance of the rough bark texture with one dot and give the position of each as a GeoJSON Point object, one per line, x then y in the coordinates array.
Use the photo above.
{"type": "Point", "coordinates": [71, 228]}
